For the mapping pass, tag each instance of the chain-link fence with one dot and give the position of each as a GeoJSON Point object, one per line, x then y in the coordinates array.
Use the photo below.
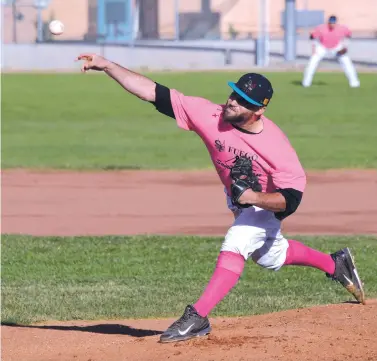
{"type": "Point", "coordinates": [122, 21]}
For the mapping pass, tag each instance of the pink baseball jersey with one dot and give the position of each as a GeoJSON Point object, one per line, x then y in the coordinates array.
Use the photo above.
{"type": "Point", "coordinates": [330, 38]}
{"type": "Point", "coordinates": [274, 159]}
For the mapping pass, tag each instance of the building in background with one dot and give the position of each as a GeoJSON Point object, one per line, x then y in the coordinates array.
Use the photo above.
{"type": "Point", "coordinates": [122, 20]}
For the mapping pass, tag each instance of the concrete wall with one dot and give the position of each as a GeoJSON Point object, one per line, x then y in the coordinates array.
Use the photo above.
{"type": "Point", "coordinates": [243, 15]}
{"type": "Point", "coordinates": [192, 55]}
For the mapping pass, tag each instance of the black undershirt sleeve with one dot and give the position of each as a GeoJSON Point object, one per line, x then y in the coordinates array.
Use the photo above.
{"type": "Point", "coordinates": [292, 198]}
{"type": "Point", "coordinates": [163, 101]}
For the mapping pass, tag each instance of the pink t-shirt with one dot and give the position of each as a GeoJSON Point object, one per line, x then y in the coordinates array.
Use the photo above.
{"type": "Point", "coordinates": [274, 160]}
{"type": "Point", "coordinates": [330, 38]}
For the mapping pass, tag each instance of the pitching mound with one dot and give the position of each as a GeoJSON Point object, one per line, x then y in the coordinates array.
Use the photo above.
{"type": "Point", "coordinates": [336, 333]}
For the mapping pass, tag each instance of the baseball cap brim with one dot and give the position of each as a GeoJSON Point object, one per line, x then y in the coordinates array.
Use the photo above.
{"type": "Point", "coordinates": [242, 94]}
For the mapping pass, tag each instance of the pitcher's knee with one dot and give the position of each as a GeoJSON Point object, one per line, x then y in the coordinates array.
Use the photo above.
{"type": "Point", "coordinates": [243, 240]}
{"type": "Point", "coordinates": [273, 260]}
{"type": "Point", "coordinates": [235, 246]}
{"type": "Point", "coordinates": [272, 264]}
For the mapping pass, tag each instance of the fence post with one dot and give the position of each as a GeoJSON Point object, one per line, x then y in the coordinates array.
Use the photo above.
{"type": "Point", "coordinates": [176, 13]}
{"type": "Point", "coordinates": [227, 56]}
{"type": "Point", "coordinates": [261, 41]}
{"type": "Point", "coordinates": [290, 30]}
{"type": "Point", "coordinates": [39, 25]}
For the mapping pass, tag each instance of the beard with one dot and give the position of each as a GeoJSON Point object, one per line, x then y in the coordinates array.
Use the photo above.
{"type": "Point", "coordinates": [232, 118]}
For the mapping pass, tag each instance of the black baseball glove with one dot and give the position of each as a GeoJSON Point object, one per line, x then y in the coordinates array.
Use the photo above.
{"type": "Point", "coordinates": [243, 179]}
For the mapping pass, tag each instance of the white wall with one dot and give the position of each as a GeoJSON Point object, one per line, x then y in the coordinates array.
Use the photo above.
{"type": "Point", "coordinates": [180, 56]}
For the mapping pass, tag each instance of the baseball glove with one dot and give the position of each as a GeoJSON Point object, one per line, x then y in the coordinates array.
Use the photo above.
{"type": "Point", "coordinates": [243, 179]}
{"type": "Point", "coordinates": [341, 52]}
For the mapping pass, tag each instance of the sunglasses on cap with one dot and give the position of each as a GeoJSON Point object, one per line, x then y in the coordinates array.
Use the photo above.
{"type": "Point", "coordinates": [243, 102]}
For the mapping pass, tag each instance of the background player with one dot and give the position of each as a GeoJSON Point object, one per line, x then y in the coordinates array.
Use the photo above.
{"type": "Point", "coordinates": [232, 132]}
{"type": "Point", "coordinates": [331, 39]}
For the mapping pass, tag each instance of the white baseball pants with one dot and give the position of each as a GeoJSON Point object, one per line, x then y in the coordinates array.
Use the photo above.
{"type": "Point", "coordinates": [344, 61]}
{"type": "Point", "coordinates": [256, 234]}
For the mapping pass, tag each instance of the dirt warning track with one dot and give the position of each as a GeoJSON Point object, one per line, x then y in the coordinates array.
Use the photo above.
{"type": "Point", "coordinates": [147, 202]}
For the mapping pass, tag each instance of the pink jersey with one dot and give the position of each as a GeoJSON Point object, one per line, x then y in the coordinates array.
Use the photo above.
{"type": "Point", "coordinates": [330, 38]}
{"type": "Point", "coordinates": [274, 160]}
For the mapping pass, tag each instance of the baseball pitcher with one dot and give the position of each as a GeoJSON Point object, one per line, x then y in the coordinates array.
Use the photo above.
{"type": "Point", "coordinates": [263, 183]}
{"type": "Point", "coordinates": [331, 39]}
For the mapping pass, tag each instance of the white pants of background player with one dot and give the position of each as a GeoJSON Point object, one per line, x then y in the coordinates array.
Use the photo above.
{"type": "Point", "coordinates": [344, 60]}
{"type": "Point", "coordinates": [256, 234]}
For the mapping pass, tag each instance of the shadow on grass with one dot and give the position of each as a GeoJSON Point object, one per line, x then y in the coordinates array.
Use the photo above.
{"type": "Point", "coordinates": [299, 83]}
{"type": "Point", "coordinates": [109, 329]}
{"type": "Point", "coordinates": [351, 302]}
{"type": "Point", "coordinates": [121, 167]}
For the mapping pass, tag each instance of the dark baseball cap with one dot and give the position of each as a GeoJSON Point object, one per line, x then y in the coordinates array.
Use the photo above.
{"type": "Point", "coordinates": [254, 88]}
{"type": "Point", "coordinates": [332, 19]}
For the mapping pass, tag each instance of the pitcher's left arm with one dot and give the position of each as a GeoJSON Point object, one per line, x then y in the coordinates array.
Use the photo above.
{"type": "Point", "coordinates": [289, 180]}
{"type": "Point", "coordinates": [283, 202]}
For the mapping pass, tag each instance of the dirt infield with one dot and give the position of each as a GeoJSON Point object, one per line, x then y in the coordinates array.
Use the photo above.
{"type": "Point", "coordinates": [134, 202]}
{"type": "Point", "coordinates": [146, 202]}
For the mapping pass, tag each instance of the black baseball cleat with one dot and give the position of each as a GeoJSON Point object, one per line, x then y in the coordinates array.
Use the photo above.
{"type": "Point", "coordinates": [190, 325]}
{"type": "Point", "coordinates": [346, 274]}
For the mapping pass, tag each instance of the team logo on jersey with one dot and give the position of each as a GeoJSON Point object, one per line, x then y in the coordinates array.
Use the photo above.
{"type": "Point", "coordinates": [228, 164]}
{"type": "Point", "coordinates": [234, 153]}
{"type": "Point", "coordinates": [220, 146]}
{"type": "Point", "coordinates": [240, 153]}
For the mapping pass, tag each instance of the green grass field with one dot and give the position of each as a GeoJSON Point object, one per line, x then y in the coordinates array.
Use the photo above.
{"type": "Point", "coordinates": [82, 121]}
{"type": "Point", "coordinates": [131, 277]}
{"type": "Point", "coordinates": [89, 122]}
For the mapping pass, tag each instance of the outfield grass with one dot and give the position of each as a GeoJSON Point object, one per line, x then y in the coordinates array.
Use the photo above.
{"type": "Point", "coordinates": [82, 121]}
{"type": "Point", "coordinates": [132, 277]}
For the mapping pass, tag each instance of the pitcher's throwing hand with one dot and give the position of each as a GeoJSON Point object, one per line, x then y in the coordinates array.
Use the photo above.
{"type": "Point", "coordinates": [93, 62]}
